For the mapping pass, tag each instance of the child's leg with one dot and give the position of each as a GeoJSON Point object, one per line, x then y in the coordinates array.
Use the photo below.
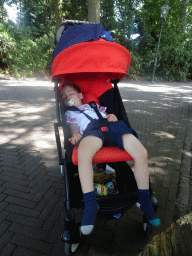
{"type": "Point", "coordinates": [86, 151]}
{"type": "Point", "coordinates": [134, 147]}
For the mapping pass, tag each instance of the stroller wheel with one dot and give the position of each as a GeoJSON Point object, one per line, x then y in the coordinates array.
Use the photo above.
{"type": "Point", "coordinates": [69, 249]}
{"type": "Point", "coordinates": [71, 240]}
{"type": "Point", "coordinates": [147, 228]}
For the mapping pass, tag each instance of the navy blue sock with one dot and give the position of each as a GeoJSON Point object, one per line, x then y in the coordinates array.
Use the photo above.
{"type": "Point", "coordinates": [90, 213]}
{"type": "Point", "coordinates": [147, 207]}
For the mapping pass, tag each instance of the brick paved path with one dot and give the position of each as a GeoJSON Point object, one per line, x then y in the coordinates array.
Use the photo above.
{"type": "Point", "coordinates": [31, 189]}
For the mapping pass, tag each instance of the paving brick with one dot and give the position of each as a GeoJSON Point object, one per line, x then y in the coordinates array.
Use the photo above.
{"type": "Point", "coordinates": [28, 231]}
{"type": "Point", "coordinates": [54, 215]}
{"type": "Point", "coordinates": [30, 169]}
{"type": "Point", "coordinates": [26, 252]}
{"type": "Point", "coordinates": [3, 205]}
{"type": "Point", "coordinates": [1, 181]}
{"type": "Point", "coordinates": [172, 191]}
{"type": "Point", "coordinates": [39, 177]}
{"type": "Point", "coordinates": [22, 210]}
{"type": "Point", "coordinates": [15, 180]}
{"type": "Point", "coordinates": [16, 193]}
{"type": "Point", "coordinates": [41, 197]}
{"type": "Point", "coordinates": [31, 243]}
{"type": "Point", "coordinates": [2, 197]}
{"type": "Point", "coordinates": [54, 174]}
{"type": "Point", "coordinates": [31, 161]}
{"type": "Point", "coordinates": [60, 192]}
{"type": "Point", "coordinates": [12, 169]}
{"type": "Point", "coordinates": [12, 185]}
{"type": "Point", "coordinates": [5, 238]}
{"type": "Point", "coordinates": [10, 164]}
{"type": "Point", "coordinates": [3, 215]}
{"type": "Point", "coordinates": [26, 158]}
{"type": "Point", "coordinates": [8, 152]}
{"type": "Point", "coordinates": [11, 161]}
{"type": "Point", "coordinates": [56, 179]}
{"type": "Point", "coordinates": [41, 188]}
{"type": "Point", "coordinates": [29, 221]}
{"type": "Point", "coordinates": [44, 201]}
{"type": "Point", "coordinates": [19, 201]}
{"type": "Point", "coordinates": [32, 175]}
{"type": "Point", "coordinates": [59, 247]}
{"type": "Point", "coordinates": [2, 189]}
{"type": "Point", "coordinates": [49, 207]}
{"type": "Point", "coordinates": [56, 232]}
{"type": "Point", "coordinates": [38, 197]}
{"type": "Point", "coordinates": [58, 185]}
{"type": "Point", "coordinates": [3, 226]}
{"type": "Point", "coordinates": [169, 210]}
{"type": "Point", "coordinates": [8, 250]}
{"type": "Point", "coordinates": [175, 177]}
{"type": "Point", "coordinates": [14, 174]}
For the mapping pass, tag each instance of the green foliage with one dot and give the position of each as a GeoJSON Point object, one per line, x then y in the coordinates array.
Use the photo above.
{"type": "Point", "coordinates": [175, 59]}
{"type": "Point", "coordinates": [25, 56]}
{"type": "Point", "coordinates": [135, 69]}
{"type": "Point", "coordinates": [75, 10]}
{"type": "Point", "coordinates": [32, 56]}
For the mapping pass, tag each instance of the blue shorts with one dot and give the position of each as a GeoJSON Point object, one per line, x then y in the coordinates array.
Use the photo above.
{"type": "Point", "coordinates": [116, 131]}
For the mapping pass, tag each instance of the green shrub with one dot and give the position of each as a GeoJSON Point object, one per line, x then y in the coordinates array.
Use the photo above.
{"type": "Point", "coordinates": [32, 56]}
{"type": "Point", "coordinates": [22, 55]}
{"type": "Point", "coordinates": [175, 58]}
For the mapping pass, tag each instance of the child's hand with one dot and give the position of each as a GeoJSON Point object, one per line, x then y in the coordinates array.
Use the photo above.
{"type": "Point", "coordinates": [112, 118]}
{"type": "Point", "coordinates": [74, 140]}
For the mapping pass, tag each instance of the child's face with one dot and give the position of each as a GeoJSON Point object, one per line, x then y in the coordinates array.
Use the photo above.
{"type": "Point", "coordinates": [68, 93]}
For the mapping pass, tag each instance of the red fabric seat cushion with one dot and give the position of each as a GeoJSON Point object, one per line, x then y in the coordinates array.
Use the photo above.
{"type": "Point", "coordinates": [105, 155]}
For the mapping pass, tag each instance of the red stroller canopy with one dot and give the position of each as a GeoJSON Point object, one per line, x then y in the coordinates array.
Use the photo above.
{"type": "Point", "coordinates": [92, 57]}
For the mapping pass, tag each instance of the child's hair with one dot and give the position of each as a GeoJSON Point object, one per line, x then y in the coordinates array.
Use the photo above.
{"type": "Point", "coordinates": [74, 86]}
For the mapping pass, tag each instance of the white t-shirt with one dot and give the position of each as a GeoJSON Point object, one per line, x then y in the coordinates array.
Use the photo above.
{"type": "Point", "coordinates": [76, 117]}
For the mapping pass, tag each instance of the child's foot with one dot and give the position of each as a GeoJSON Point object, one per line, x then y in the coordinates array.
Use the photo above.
{"type": "Point", "coordinates": [147, 207]}
{"type": "Point", "coordinates": [90, 213]}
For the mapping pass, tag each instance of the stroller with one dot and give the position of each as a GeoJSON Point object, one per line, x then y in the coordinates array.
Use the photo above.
{"type": "Point", "coordinates": [86, 55]}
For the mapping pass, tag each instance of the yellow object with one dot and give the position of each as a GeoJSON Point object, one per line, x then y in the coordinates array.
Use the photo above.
{"type": "Point", "coordinates": [101, 189]}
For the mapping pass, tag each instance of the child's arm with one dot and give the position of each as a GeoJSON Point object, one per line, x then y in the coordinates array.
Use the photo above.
{"type": "Point", "coordinates": [76, 136]}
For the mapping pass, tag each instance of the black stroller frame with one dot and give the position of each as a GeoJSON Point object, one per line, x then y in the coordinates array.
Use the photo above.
{"type": "Point", "coordinates": [108, 205]}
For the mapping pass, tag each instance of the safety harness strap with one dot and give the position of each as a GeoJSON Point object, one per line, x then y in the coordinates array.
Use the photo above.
{"type": "Point", "coordinates": [102, 125]}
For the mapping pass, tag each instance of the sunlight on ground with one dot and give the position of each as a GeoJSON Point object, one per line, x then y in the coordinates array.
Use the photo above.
{"type": "Point", "coordinates": [164, 135]}
{"type": "Point", "coordinates": [125, 100]}
{"type": "Point", "coordinates": [187, 153]}
{"type": "Point", "coordinates": [143, 112]}
{"type": "Point", "coordinates": [158, 88]}
{"type": "Point", "coordinates": [27, 124]}
{"type": "Point", "coordinates": [32, 83]}
{"type": "Point", "coordinates": [43, 144]}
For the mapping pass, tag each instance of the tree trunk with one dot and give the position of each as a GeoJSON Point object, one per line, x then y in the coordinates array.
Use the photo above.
{"type": "Point", "coordinates": [176, 240]}
{"type": "Point", "coordinates": [93, 11]}
{"type": "Point", "coordinates": [58, 12]}
{"type": "Point", "coordinates": [183, 11]}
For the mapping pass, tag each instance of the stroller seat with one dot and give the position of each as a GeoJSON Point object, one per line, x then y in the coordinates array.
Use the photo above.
{"type": "Point", "coordinates": [105, 155]}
